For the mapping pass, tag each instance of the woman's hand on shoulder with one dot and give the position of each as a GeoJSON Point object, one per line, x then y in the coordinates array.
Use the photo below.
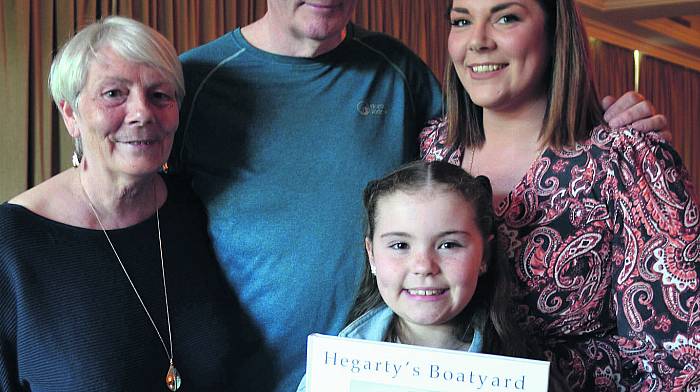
{"type": "Point", "coordinates": [634, 110]}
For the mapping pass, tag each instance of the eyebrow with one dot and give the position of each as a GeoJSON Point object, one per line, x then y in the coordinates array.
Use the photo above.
{"type": "Point", "coordinates": [394, 234]}
{"type": "Point", "coordinates": [117, 79]}
{"type": "Point", "coordinates": [441, 234]}
{"type": "Point", "coordinates": [494, 9]}
{"type": "Point", "coordinates": [451, 232]}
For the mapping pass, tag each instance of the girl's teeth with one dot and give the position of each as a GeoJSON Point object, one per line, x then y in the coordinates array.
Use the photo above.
{"type": "Point", "coordinates": [486, 68]}
{"type": "Point", "coordinates": [425, 292]}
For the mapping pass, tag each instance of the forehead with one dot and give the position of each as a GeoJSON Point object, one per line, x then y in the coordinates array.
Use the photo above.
{"type": "Point", "coordinates": [493, 5]}
{"type": "Point", "coordinates": [423, 208]}
{"type": "Point", "coordinates": [109, 65]}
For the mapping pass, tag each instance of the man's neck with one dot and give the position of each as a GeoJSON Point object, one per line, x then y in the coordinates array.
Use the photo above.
{"type": "Point", "coordinates": [267, 37]}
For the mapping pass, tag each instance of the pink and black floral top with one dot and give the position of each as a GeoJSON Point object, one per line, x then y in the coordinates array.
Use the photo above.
{"type": "Point", "coordinates": [604, 241]}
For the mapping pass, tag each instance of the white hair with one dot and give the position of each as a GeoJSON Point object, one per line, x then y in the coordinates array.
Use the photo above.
{"type": "Point", "coordinates": [130, 39]}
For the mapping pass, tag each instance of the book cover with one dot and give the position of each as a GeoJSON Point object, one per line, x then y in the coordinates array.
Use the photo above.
{"type": "Point", "coordinates": [351, 365]}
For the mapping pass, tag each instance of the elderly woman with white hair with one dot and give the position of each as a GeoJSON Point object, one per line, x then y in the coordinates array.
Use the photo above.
{"type": "Point", "coordinates": [107, 277]}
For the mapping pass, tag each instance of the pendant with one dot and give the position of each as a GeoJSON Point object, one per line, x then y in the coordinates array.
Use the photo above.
{"type": "Point", "coordinates": [172, 379]}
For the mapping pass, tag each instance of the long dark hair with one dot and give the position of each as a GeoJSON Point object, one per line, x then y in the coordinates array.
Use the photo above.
{"type": "Point", "coordinates": [489, 310]}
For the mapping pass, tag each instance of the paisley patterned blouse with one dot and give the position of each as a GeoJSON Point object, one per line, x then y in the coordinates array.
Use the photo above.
{"type": "Point", "coordinates": [604, 241]}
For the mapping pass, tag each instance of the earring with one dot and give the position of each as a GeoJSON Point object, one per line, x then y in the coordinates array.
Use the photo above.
{"type": "Point", "coordinates": [75, 160]}
{"type": "Point", "coordinates": [373, 269]}
{"type": "Point", "coordinates": [165, 167]}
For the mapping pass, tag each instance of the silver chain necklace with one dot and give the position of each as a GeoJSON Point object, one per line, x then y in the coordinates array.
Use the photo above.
{"type": "Point", "coordinates": [172, 377]}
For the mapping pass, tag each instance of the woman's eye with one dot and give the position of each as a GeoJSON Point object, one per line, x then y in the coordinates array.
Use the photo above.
{"type": "Point", "coordinates": [399, 246]}
{"type": "Point", "coordinates": [162, 96]}
{"type": "Point", "coordinates": [506, 19]}
{"type": "Point", "coordinates": [112, 93]}
{"type": "Point", "coordinates": [459, 22]}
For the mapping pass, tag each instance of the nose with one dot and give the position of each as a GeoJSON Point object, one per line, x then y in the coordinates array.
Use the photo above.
{"type": "Point", "coordinates": [480, 38]}
{"type": "Point", "coordinates": [140, 111]}
{"type": "Point", "coordinates": [425, 263]}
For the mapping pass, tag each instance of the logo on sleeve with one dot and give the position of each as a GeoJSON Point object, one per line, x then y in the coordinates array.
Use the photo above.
{"type": "Point", "coordinates": [374, 109]}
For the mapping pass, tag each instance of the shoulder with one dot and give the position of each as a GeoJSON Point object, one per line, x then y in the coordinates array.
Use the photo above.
{"type": "Point", "coordinates": [377, 40]}
{"type": "Point", "coordinates": [199, 62]}
{"type": "Point", "coordinates": [435, 130]}
{"type": "Point", "coordinates": [53, 199]}
{"type": "Point", "coordinates": [614, 138]}
{"type": "Point", "coordinates": [645, 168]}
{"type": "Point", "coordinates": [433, 143]}
{"type": "Point", "coordinates": [613, 144]}
{"type": "Point", "coordinates": [219, 48]}
{"type": "Point", "coordinates": [388, 48]}
{"type": "Point", "coordinates": [24, 235]}
{"type": "Point", "coordinates": [12, 218]}
{"type": "Point", "coordinates": [372, 325]}
{"type": "Point", "coordinates": [633, 146]}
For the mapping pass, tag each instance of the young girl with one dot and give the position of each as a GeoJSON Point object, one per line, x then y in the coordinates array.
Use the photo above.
{"type": "Point", "coordinates": [433, 276]}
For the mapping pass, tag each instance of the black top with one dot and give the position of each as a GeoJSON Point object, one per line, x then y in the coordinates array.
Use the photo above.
{"type": "Point", "coordinates": [70, 321]}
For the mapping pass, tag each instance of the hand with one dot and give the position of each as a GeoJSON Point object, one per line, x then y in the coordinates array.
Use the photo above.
{"type": "Point", "coordinates": [634, 110]}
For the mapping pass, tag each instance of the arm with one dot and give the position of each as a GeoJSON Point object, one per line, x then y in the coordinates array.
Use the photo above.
{"type": "Point", "coordinates": [656, 277]}
{"type": "Point", "coordinates": [9, 373]}
{"type": "Point", "coordinates": [634, 110]}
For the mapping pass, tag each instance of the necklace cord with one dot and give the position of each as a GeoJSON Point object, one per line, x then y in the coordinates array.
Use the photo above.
{"type": "Point", "coordinates": [165, 286]}
{"type": "Point", "coordinates": [121, 264]}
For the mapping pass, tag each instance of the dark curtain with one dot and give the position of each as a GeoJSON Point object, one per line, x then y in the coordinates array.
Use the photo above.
{"type": "Point", "coordinates": [675, 91]}
{"type": "Point", "coordinates": [613, 68]}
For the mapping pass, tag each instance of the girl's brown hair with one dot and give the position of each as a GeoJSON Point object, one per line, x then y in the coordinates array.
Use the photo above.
{"type": "Point", "coordinates": [489, 310]}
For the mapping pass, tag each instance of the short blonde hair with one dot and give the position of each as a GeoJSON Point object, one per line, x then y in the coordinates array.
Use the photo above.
{"type": "Point", "coordinates": [130, 39]}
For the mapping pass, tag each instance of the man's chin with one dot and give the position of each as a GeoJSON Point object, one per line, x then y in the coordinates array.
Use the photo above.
{"type": "Point", "coordinates": [325, 30]}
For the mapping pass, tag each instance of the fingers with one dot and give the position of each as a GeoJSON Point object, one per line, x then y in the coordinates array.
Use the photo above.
{"type": "Point", "coordinates": [627, 101]}
{"type": "Point", "coordinates": [634, 110]}
{"type": "Point", "coordinates": [653, 123]}
{"type": "Point", "coordinates": [618, 116]}
{"type": "Point", "coordinates": [607, 101]}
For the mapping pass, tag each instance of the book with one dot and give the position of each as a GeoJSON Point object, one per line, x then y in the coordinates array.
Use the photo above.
{"type": "Point", "coordinates": [351, 365]}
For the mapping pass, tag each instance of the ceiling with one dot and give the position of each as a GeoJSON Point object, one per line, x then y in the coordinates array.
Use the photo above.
{"type": "Point", "coordinates": [666, 29]}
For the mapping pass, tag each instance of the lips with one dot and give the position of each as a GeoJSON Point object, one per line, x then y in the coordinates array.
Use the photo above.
{"type": "Point", "coordinates": [323, 6]}
{"type": "Point", "coordinates": [139, 142]}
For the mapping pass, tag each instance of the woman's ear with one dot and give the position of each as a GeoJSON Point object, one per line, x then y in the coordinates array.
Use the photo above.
{"type": "Point", "coordinates": [69, 118]}
{"type": "Point", "coordinates": [370, 255]}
